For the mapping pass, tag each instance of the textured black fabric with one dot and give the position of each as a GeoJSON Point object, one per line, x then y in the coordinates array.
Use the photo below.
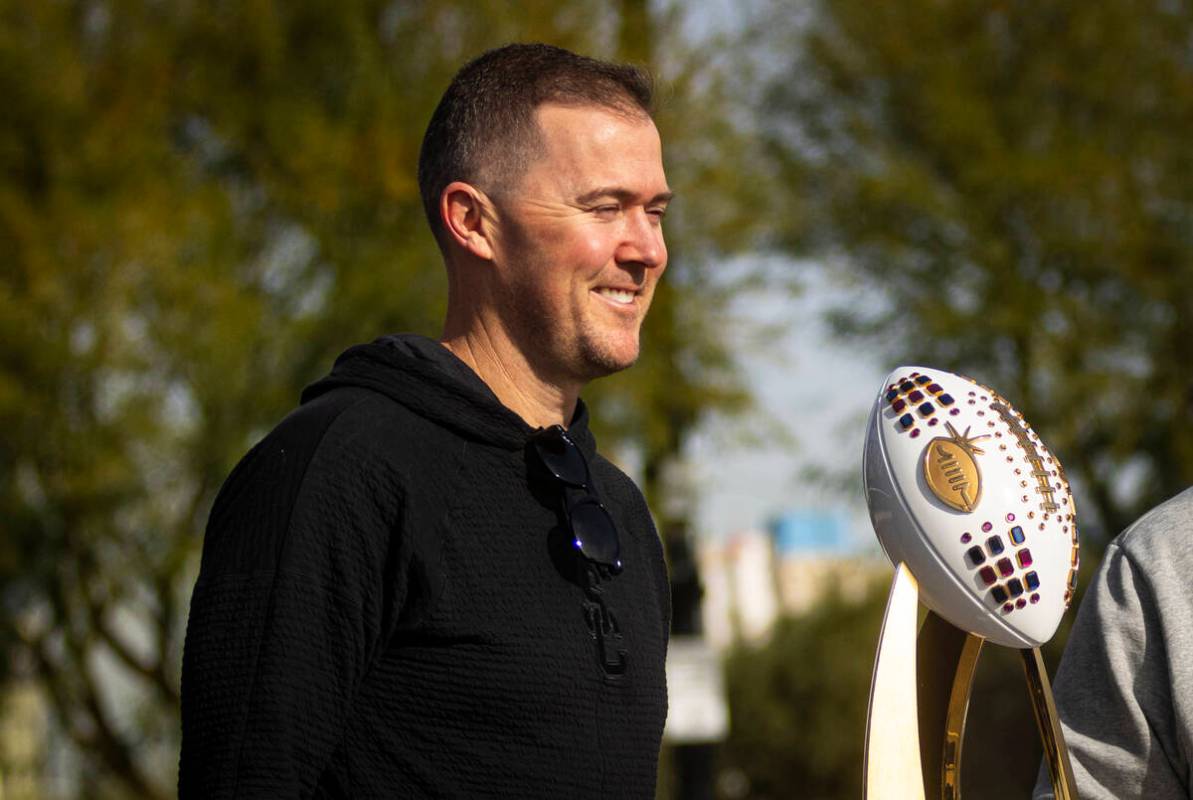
{"type": "Point", "coordinates": [388, 606]}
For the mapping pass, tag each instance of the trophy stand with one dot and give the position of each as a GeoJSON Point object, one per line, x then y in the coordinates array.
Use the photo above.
{"type": "Point", "coordinates": [919, 697]}
{"type": "Point", "coordinates": [1056, 753]}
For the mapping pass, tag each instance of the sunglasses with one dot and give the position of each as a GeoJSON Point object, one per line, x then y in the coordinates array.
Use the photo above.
{"type": "Point", "coordinates": [594, 533]}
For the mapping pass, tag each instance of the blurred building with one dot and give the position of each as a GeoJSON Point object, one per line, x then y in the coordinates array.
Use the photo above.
{"type": "Point", "coordinates": [751, 577]}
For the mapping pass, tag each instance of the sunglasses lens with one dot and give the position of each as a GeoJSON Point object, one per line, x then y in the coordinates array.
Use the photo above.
{"type": "Point", "coordinates": [595, 534]}
{"type": "Point", "coordinates": [561, 457]}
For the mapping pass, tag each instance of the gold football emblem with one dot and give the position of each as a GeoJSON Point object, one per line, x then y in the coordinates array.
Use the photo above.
{"type": "Point", "coordinates": [951, 471]}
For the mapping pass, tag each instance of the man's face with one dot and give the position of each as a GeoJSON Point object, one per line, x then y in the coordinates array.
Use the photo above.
{"type": "Point", "coordinates": [579, 245]}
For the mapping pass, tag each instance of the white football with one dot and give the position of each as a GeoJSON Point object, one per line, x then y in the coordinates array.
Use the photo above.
{"type": "Point", "coordinates": [963, 491]}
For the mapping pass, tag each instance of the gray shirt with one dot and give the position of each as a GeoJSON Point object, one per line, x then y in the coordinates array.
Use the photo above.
{"type": "Point", "coordinates": [1124, 688]}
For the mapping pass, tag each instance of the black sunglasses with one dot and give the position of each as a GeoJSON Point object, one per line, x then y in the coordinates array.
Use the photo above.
{"type": "Point", "coordinates": [594, 533]}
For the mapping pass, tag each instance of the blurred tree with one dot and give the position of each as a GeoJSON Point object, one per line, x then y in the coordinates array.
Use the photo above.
{"type": "Point", "coordinates": [797, 705]}
{"type": "Point", "coordinates": [1009, 185]}
{"type": "Point", "coordinates": [201, 204]}
{"type": "Point", "coordinates": [687, 369]}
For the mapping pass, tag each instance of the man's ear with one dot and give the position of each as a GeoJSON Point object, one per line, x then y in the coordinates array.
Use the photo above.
{"type": "Point", "coordinates": [467, 218]}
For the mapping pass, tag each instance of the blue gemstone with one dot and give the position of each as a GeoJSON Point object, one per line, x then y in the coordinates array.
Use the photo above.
{"type": "Point", "coordinates": [906, 386]}
{"type": "Point", "coordinates": [999, 594]}
{"type": "Point", "coordinates": [926, 409]}
{"type": "Point", "coordinates": [892, 394]}
{"type": "Point", "coordinates": [907, 420]}
{"type": "Point", "coordinates": [945, 400]}
{"type": "Point", "coordinates": [1033, 580]}
{"type": "Point", "coordinates": [922, 379]}
{"type": "Point", "coordinates": [1015, 587]}
{"type": "Point", "coordinates": [976, 556]}
{"type": "Point", "coordinates": [1017, 535]}
{"type": "Point", "coordinates": [995, 545]}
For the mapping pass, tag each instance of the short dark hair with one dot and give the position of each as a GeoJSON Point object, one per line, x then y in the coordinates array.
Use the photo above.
{"type": "Point", "coordinates": [484, 130]}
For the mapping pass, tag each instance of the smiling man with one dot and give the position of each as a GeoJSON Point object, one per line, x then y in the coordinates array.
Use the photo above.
{"type": "Point", "coordinates": [552, 271]}
{"type": "Point", "coordinates": [426, 582]}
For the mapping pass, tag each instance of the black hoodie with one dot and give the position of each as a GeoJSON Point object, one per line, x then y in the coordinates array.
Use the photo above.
{"type": "Point", "coordinates": [388, 606]}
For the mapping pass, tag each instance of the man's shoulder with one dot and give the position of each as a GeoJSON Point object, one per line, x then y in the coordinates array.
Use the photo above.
{"type": "Point", "coordinates": [614, 478]}
{"type": "Point", "coordinates": [621, 493]}
{"type": "Point", "coordinates": [359, 418]}
{"type": "Point", "coordinates": [314, 418]}
{"type": "Point", "coordinates": [349, 448]}
{"type": "Point", "coordinates": [1162, 533]}
{"type": "Point", "coordinates": [342, 435]}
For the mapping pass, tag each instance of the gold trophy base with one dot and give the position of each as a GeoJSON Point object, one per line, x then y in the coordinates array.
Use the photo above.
{"type": "Point", "coordinates": [919, 697]}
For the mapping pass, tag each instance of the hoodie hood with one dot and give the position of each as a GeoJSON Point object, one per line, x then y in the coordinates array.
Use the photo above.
{"type": "Point", "coordinates": [427, 378]}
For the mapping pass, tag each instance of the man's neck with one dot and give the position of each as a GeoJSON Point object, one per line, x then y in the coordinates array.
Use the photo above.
{"type": "Point", "coordinates": [508, 373]}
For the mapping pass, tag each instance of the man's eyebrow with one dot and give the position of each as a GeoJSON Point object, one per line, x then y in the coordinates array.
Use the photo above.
{"type": "Point", "coordinates": [622, 195]}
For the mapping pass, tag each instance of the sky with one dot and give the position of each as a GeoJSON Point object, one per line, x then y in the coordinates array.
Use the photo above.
{"type": "Point", "coordinates": [812, 391]}
{"type": "Point", "coordinates": [813, 394]}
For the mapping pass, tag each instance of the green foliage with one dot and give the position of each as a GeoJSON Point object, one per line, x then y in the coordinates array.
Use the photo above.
{"type": "Point", "coordinates": [201, 204]}
{"type": "Point", "coordinates": [797, 705]}
{"type": "Point", "coordinates": [1010, 188]}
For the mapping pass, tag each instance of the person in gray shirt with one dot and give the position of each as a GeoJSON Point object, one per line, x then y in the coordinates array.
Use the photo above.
{"type": "Point", "coordinates": [1124, 688]}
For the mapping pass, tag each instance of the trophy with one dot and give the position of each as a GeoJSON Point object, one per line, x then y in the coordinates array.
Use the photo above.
{"type": "Point", "coordinates": [977, 517]}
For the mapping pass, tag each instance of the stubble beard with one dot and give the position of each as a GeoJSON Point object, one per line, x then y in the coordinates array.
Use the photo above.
{"type": "Point", "coordinates": [536, 328]}
{"type": "Point", "coordinates": [600, 356]}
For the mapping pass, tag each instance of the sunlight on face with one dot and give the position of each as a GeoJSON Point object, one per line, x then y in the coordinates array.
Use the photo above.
{"type": "Point", "coordinates": [580, 243]}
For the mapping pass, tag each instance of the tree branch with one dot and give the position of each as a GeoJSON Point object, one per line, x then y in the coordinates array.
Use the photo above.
{"type": "Point", "coordinates": [154, 673]}
{"type": "Point", "coordinates": [105, 742]}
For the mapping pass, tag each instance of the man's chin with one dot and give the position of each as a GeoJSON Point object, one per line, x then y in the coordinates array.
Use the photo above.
{"type": "Point", "coordinates": [600, 362]}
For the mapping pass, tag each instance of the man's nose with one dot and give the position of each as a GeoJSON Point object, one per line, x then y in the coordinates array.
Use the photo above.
{"type": "Point", "coordinates": [642, 242]}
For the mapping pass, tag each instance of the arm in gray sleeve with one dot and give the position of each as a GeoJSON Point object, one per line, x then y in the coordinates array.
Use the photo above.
{"type": "Point", "coordinates": [1124, 686]}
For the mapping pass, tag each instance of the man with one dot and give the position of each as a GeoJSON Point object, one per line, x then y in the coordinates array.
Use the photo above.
{"type": "Point", "coordinates": [425, 582]}
{"type": "Point", "coordinates": [1124, 689]}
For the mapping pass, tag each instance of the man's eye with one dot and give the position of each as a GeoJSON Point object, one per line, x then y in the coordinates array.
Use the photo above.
{"type": "Point", "coordinates": [659, 212]}
{"type": "Point", "coordinates": [607, 211]}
